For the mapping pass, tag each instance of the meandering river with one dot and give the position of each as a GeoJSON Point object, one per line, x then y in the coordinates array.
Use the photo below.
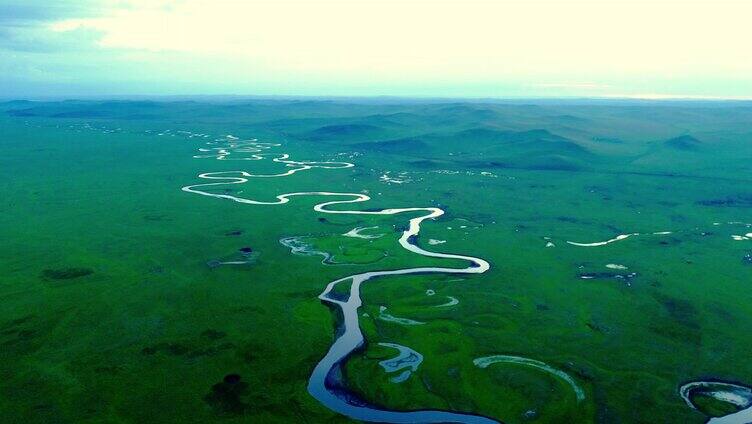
{"type": "Point", "coordinates": [325, 382]}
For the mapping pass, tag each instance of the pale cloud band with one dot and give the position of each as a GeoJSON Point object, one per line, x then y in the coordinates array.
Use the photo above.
{"type": "Point", "coordinates": [473, 48]}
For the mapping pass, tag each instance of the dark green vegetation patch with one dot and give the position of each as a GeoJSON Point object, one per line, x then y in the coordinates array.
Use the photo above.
{"type": "Point", "coordinates": [66, 273]}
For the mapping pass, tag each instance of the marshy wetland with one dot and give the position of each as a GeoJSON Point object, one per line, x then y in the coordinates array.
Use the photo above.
{"type": "Point", "coordinates": [384, 260]}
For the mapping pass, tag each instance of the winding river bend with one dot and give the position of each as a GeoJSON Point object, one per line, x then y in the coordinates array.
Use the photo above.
{"type": "Point", "coordinates": [731, 393]}
{"type": "Point", "coordinates": [325, 382]}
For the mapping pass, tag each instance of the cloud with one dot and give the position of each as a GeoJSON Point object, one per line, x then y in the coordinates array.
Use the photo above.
{"type": "Point", "coordinates": [34, 11]}
{"type": "Point", "coordinates": [44, 41]}
{"type": "Point", "coordinates": [25, 26]}
{"type": "Point", "coordinates": [572, 85]}
{"type": "Point", "coordinates": [471, 47]}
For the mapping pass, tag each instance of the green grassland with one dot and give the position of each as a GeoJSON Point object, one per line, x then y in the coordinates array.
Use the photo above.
{"type": "Point", "coordinates": [111, 314]}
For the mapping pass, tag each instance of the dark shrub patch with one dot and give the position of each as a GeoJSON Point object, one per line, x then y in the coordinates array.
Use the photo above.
{"type": "Point", "coordinates": [225, 396]}
{"type": "Point", "coordinates": [66, 273]}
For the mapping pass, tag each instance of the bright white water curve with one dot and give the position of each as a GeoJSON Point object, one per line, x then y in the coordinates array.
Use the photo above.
{"type": "Point", "coordinates": [735, 394]}
{"type": "Point", "coordinates": [518, 360]}
{"type": "Point", "coordinates": [325, 382]}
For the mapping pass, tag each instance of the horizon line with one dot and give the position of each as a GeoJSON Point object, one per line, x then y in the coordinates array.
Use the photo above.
{"type": "Point", "coordinates": [657, 97]}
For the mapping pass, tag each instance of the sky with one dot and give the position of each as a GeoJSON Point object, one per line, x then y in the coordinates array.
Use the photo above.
{"type": "Point", "coordinates": [457, 48]}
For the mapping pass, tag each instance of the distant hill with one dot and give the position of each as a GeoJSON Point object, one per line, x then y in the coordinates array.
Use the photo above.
{"type": "Point", "coordinates": [677, 151]}
{"type": "Point", "coordinates": [80, 109]}
{"type": "Point", "coordinates": [683, 142]}
{"type": "Point", "coordinates": [610, 140]}
{"type": "Point", "coordinates": [345, 132]}
{"type": "Point", "coordinates": [484, 147]}
{"type": "Point", "coordinates": [410, 145]}
{"type": "Point", "coordinates": [523, 145]}
{"type": "Point", "coordinates": [465, 112]}
{"type": "Point", "coordinates": [530, 149]}
{"type": "Point", "coordinates": [432, 134]}
{"type": "Point", "coordinates": [567, 119]}
{"type": "Point", "coordinates": [536, 137]}
{"type": "Point", "coordinates": [547, 162]}
{"type": "Point", "coordinates": [13, 104]}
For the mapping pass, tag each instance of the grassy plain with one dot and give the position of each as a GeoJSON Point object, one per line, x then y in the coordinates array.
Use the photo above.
{"type": "Point", "coordinates": [111, 314]}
